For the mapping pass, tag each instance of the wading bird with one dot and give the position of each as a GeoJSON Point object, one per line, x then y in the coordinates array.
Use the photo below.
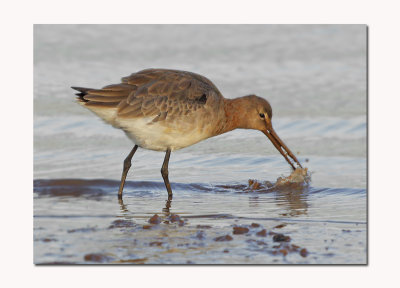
{"type": "Point", "coordinates": [167, 110]}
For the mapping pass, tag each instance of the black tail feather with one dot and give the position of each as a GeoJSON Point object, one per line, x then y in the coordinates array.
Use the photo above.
{"type": "Point", "coordinates": [82, 93]}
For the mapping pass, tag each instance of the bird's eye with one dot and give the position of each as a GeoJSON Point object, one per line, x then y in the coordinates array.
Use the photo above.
{"type": "Point", "coordinates": [262, 115]}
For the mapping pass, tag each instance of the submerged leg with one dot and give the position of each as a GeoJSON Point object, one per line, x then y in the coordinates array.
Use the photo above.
{"type": "Point", "coordinates": [127, 165]}
{"type": "Point", "coordinates": [164, 173]}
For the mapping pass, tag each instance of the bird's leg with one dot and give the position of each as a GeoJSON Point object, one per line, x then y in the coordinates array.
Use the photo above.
{"type": "Point", "coordinates": [164, 173]}
{"type": "Point", "coordinates": [127, 165]}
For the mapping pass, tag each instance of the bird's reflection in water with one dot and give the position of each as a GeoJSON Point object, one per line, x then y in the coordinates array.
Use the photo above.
{"type": "Point", "coordinates": [122, 206]}
{"type": "Point", "coordinates": [168, 203]}
{"type": "Point", "coordinates": [125, 211]}
{"type": "Point", "coordinates": [254, 201]}
{"type": "Point", "coordinates": [293, 200]}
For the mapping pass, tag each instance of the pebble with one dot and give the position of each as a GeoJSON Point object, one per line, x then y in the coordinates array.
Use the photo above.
{"type": "Point", "coordinates": [281, 238]}
{"type": "Point", "coordinates": [97, 257]}
{"type": "Point", "coordinates": [240, 230]}
{"type": "Point", "coordinates": [121, 223]}
{"type": "Point", "coordinates": [224, 238]}
{"type": "Point", "coordinates": [174, 218]}
{"type": "Point", "coordinates": [304, 252]}
{"type": "Point", "coordinates": [155, 219]}
{"type": "Point", "coordinates": [262, 233]}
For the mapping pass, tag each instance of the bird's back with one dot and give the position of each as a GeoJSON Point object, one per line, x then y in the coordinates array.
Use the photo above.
{"type": "Point", "coordinates": [159, 108]}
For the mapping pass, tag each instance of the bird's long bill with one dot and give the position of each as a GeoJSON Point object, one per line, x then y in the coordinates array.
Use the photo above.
{"type": "Point", "coordinates": [282, 148]}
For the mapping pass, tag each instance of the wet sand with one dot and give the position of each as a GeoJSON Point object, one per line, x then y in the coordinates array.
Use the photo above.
{"type": "Point", "coordinates": [82, 222]}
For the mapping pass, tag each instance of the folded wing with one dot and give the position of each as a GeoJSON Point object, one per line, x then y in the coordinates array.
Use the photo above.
{"type": "Point", "coordinates": [162, 93]}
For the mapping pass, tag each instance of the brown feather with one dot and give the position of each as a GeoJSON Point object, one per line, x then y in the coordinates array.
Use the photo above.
{"type": "Point", "coordinates": [122, 105]}
{"type": "Point", "coordinates": [131, 111]}
{"type": "Point", "coordinates": [108, 93]}
{"type": "Point", "coordinates": [137, 105]}
{"type": "Point", "coordinates": [120, 87]}
{"type": "Point", "coordinates": [141, 92]}
{"type": "Point", "coordinates": [160, 117]}
{"type": "Point", "coordinates": [138, 79]}
{"type": "Point", "coordinates": [103, 99]}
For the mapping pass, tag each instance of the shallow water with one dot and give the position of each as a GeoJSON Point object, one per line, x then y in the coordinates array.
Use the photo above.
{"type": "Point", "coordinates": [77, 218]}
{"type": "Point", "coordinates": [315, 79]}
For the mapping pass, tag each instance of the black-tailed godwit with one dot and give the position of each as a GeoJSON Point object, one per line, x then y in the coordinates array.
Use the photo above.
{"type": "Point", "coordinates": [167, 110]}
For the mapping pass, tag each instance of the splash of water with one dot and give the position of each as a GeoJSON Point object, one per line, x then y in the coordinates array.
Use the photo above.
{"type": "Point", "coordinates": [299, 178]}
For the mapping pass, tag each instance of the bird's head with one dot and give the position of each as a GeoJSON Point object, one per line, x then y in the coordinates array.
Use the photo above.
{"type": "Point", "coordinates": [257, 114]}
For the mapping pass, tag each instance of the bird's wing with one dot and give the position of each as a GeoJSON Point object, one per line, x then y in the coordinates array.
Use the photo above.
{"type": "Point", "coordinates": [165, 94]}
{"type": "Point", "coordinates": [162, 93]}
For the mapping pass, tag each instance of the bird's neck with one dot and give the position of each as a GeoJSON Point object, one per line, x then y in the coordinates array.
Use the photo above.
{"type": "Point", "coordinates": [234, 114]}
